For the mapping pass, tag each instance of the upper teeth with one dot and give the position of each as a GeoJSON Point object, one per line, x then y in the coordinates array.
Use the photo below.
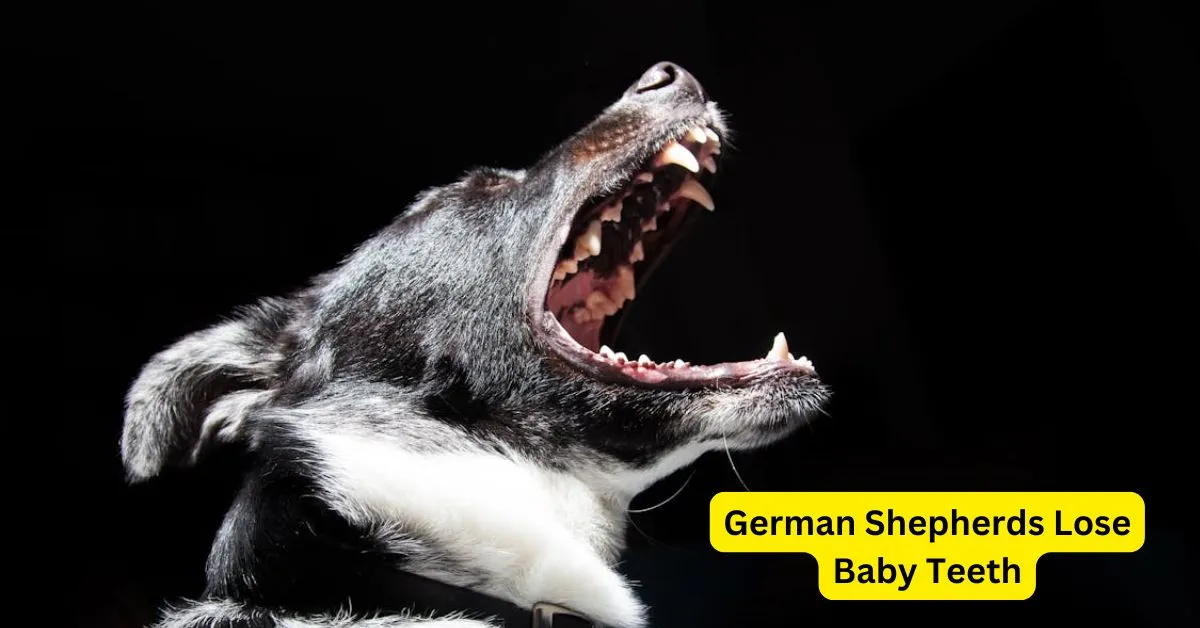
{"type": "Point", "coordinates": [691, 189]}
{"type": "Point", "coordinates": [589, 242]}
{"type": "Point", "coordinates": [675, 153]}
{"type": "Point", "coordinates": [604, 296]}
{"type": "Point", "coordinates": [638, 253]}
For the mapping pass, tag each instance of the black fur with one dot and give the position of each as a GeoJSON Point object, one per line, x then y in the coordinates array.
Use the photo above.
{"type": "Point", "coordinates": [429, 335]}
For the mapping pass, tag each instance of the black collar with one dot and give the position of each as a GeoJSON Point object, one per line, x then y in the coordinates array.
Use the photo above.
{"type": "Point", "coordinates": [425, 596]}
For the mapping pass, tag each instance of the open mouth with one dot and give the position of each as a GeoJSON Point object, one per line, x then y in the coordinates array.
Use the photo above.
{"type": "Point", "coordinates": [612, 245]}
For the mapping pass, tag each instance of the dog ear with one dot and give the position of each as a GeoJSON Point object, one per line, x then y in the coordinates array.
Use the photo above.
{"type": "Point", "coordinates": [201, 389]}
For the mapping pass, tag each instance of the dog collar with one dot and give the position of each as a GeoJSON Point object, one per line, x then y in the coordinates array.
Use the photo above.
{"type": "Point", "coordinates": [427, 596]}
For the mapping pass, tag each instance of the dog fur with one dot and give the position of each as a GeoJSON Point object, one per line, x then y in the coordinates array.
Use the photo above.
{"type": "Point", "coordinates": [405, 411]}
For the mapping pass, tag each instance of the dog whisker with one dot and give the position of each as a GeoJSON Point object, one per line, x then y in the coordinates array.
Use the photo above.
{"type": "Point", "coordinates": [665, 501]}
{"type": "Point", "coordinates": [731, 465]}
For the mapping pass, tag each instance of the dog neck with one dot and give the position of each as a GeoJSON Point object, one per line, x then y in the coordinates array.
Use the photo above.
{"type": "Point", "coordinates": [496, 522]}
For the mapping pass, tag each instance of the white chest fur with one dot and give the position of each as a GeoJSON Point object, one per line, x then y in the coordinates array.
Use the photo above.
{"type": "Point", "coordinates": [531, 533]}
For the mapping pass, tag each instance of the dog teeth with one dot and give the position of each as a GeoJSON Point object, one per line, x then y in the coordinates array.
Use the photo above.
{"type": "Point", "coordinates": [645, 361]}
{"type": "Point", "coordinates": [606, 352]}
{"type": "Point", "coordinates": [679, 364]}
{"type": "Point", "coordinates": [803, 362]}
{"type": "Point", "coordinates": [592, 238]}
{"type": "Point", "coordinates": [709, 164]}
{"type": "Point", "coordinates": [564, 268]}
{"type": "Point", "coordinates": [620, 357]}
{"type": "Point", "coordinates": [675, 153]}
{"type": "Point", "coordinates": [691, 189]}
{"type": "Point", "coordinates": [712, 137]}
{"type": "Point", "coordinates": [638, 253]}
{"type": "Point", "coordinates": [779, 350]}
{"type": "Point", "coordinates": [588, 244]}
{"type": "Point", "coordinates": [625, 282]}
{"type": "Point", "coordinates": [644, 177]}
{"type": "Point", "coordinates": [697, 135]}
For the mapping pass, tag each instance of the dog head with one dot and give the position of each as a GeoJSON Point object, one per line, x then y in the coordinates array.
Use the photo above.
{"type": "Point", "coordinates": [490, 302]}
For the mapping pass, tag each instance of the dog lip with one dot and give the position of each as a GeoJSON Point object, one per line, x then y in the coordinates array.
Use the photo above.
{"type": "Point", "coordinates": [634, 372]}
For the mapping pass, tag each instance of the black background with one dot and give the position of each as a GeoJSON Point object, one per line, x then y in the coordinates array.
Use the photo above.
{"type": "Point", "coordinates": [978, 219]}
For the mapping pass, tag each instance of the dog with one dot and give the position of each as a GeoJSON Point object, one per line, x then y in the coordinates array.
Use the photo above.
{"type": "Point", "coordinates": [437, 435]}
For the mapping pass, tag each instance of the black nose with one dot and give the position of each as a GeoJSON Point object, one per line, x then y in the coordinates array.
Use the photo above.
{"type": "Point", "coordinates": [666, 79]}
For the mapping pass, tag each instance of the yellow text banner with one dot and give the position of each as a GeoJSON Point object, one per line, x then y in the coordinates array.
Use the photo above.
{"type": "Point", "coordinates": [927, 546]}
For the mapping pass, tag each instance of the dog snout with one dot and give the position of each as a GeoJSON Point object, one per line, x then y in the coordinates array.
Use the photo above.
{"type": "Point", "coordinates": [666, 80]}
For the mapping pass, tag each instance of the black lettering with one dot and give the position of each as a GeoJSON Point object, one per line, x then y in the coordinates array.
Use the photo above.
{"type": "Point", "coordinates": [977, 573]}
{"type": "Point", "coordinates": [1084, 525]}
{"type": "Point", "coordinates": [1058, 529]}
{"type": "Point", "coordinates": [758, 526]}
{"type": "Point", "coordinates": [954, 573]}
{"type": "Point", "coordinates": [935, 562]}
{"type": "Point", "coordinates": [1006, 567]}
{"type": "Point", "coordinates": [735, 528]}
{"type": "Point", "coordinates": [1019, 528]}
{"type": "Point", "coordinates": [874, 525]}
{"type": "Point", "coordinates": [895, 520]}
{"type": "Point", "coordinates": [843, 570]}
{"type": "Point", "coordinates": [959, 519]}
{"type": "Point", "coordinates": [916, 526]}
{"type": "Point", "coordinates": [981, 525]}
{"type": "Point", "coordinates": [845, 526]}
{"type": "Point", "coordinates": [938, 528]}
{"type": "Point", "coordinates": [1035, 525]}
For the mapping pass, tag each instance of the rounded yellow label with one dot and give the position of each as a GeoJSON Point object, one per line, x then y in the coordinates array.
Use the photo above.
{"type": "Point", "coordinates": [927, 546]}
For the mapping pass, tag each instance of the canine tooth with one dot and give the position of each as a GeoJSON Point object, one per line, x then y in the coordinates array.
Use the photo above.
{"type": "Point", "coordinates": [638, 253]}
{"type": "Point", "coordinates": [712, 136]}
{"type": "Point", "coordinates": [698, 135]}
{"type": "Point", "coordinates": [691, 189]}
{"type": "Point", "coordinates": [643, 177]}
{"type": "Point", "coordinates": [650, 224]}
{"type": "Point", "coordinates": [675, 153]}
{"type": "Point", "coordinates": [644, 360]}
{"type": "Point", "coordinates": [620, 357]}
{"type": "Point", "coordinates": [779, 351]}
{"type": "Point", "coordinates": [679, 364]}
{"type": "Point", "coordinates": [611, 213]}
{"type": "Point", "coordinates": [709, 164]}
{"type": "Point", "coordinates": [606, 352]}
